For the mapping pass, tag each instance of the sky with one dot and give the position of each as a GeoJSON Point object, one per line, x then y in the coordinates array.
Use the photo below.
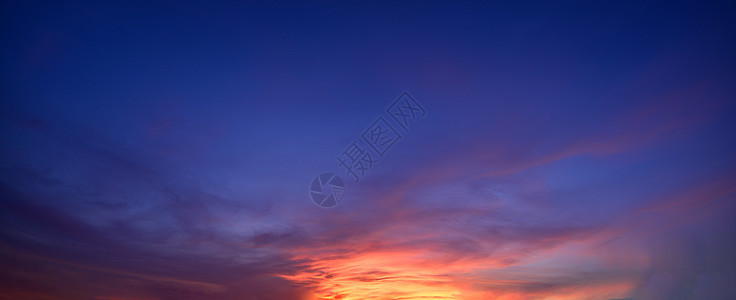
{"type": "Point", "coordinates": [566, 150]}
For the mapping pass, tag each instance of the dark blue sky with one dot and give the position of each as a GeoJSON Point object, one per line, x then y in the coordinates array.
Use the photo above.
{"type": "Point", "coordinates": [164, 150]}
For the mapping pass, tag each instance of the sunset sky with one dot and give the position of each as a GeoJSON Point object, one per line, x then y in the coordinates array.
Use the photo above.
{"type": "Point", "coordinates": [569, 150]}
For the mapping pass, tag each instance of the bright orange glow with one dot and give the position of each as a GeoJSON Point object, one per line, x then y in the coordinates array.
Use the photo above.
{"type": "Point", "coordinates": [409, 274]}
